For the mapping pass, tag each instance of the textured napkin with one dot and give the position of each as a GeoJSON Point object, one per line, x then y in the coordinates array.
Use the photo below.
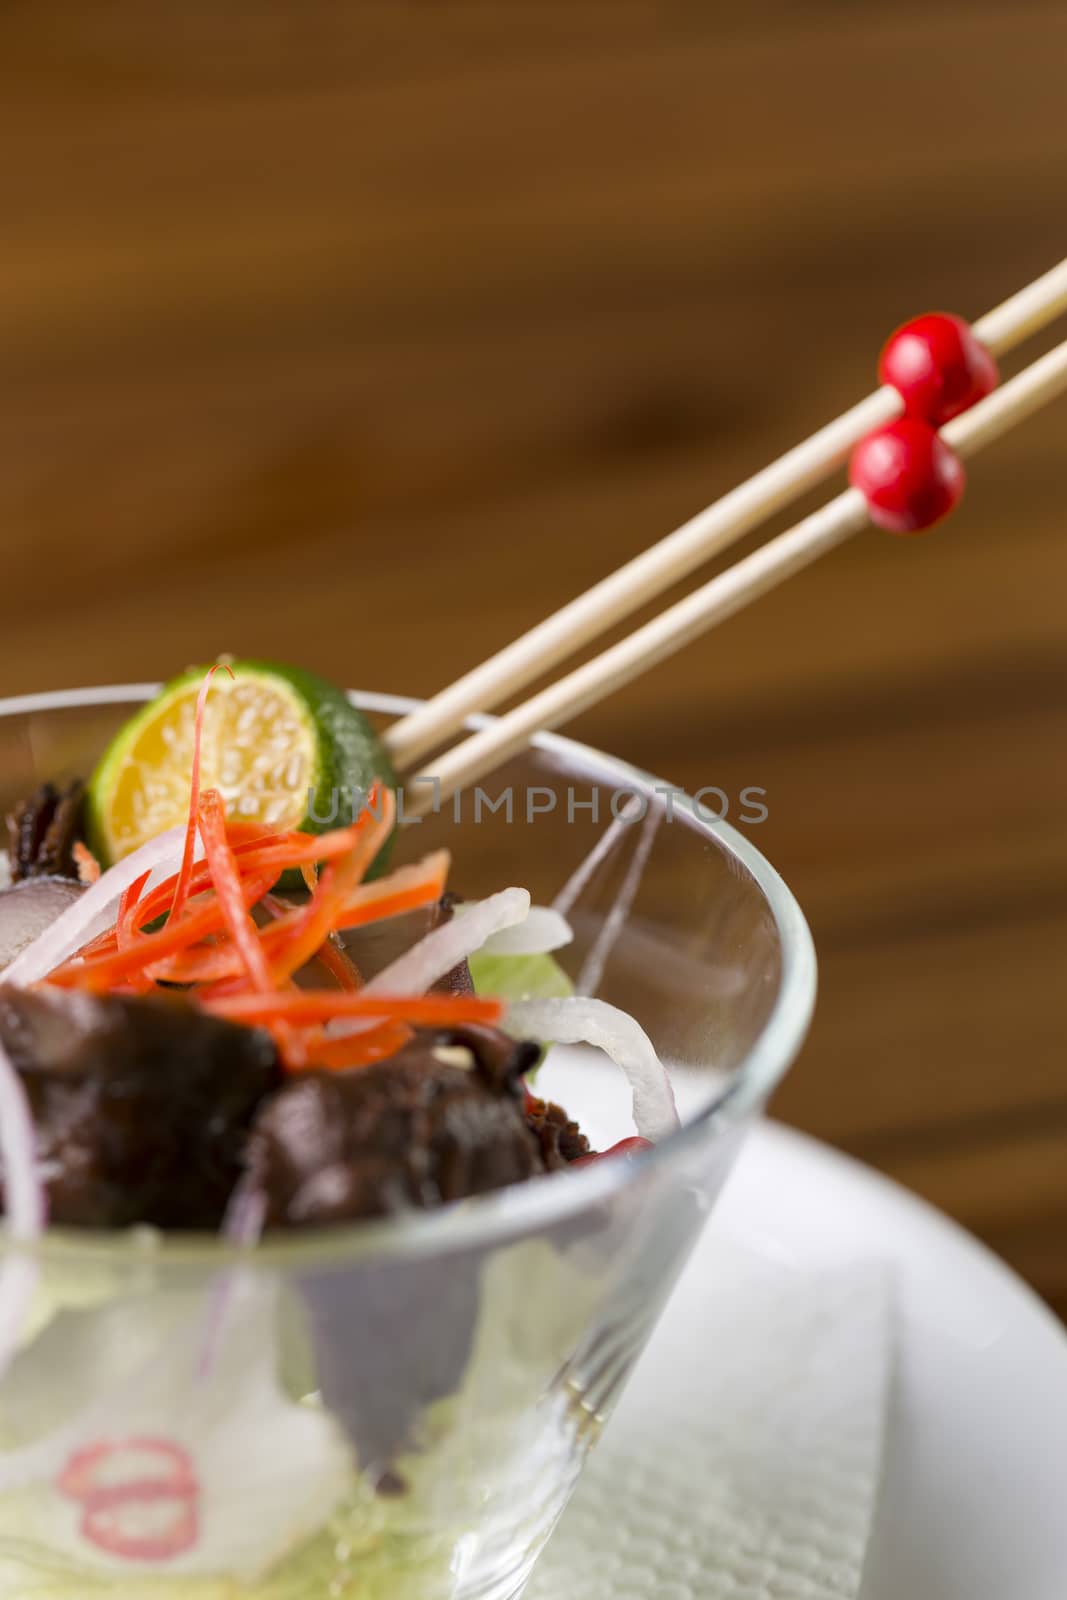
{"type": "Point", "coordinates": [744, 1459]}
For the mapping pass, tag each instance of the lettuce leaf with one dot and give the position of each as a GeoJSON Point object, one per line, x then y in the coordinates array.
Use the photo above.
{"type": "Point", "coordinates": [519, 977]}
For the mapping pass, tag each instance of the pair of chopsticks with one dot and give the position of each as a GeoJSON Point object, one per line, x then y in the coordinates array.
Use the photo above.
{"type": "Point", "coordinates": [694, 543]}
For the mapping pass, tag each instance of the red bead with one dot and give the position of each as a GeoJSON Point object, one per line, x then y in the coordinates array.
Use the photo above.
{"type": "Point", "coordinates": [938, 367]}
{"type": "Point", "coordinates": [625, 1147]}
{"type": "Point", "coordinates": [908, 475]}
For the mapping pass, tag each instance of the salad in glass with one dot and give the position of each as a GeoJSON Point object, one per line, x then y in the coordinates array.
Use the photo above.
{"type": "Point", "coordinates": [276, 1317]}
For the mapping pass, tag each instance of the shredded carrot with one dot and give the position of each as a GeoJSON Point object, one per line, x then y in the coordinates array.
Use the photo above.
{"type": "Point", "coordinates": [226, 878]}
{"type": "Point", "coordinates": [158, 903]}
{"type": "Point", "coordinates": [99, 972]}
{"type": "Point", "coordinates": [291, 1042]}
{"type": "Point", "coordinates": [128, 922]}
{"type": "Point", "coordinates": [87, 864]}
{"type": "Point", "coordinates": [341, 877]}
{"type": "Point", "coordinates": [332, 955]}
{"type": "Point", "coordinates": [406, 889]}
{"type": "Point", "coordinates": [242, 833]}
{"type": "Point", "coordinates": [215, 962]}
{"type": "Point", "coordinates": [182, 889]}
{"type": "Point", "coordinates": [104, 943]}
{"type": "Point", "coordinates": [256, 852]}
{"type": "Point", "coordinates": [344, 1051]}
{"type": "Point", "coordinates": [301, 848]}
{"type": "Point", "coordinates": [322, 1005]}
{"type": "Point", "coordinates": [277, 906]}
{"type": "Point", "coordinates": [246, 971]}
{"type": "Point", "coordinates": [243, 837]}
{"type": "Point", "coordinates": [339, 964]}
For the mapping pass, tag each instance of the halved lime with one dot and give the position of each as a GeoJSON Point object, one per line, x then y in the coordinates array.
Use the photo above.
{"type": "Point", "coordinates": [283, 746]}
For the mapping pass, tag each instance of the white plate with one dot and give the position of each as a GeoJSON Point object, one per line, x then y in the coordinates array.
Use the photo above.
{"type": "Point", "coordinates": [972, 1503]}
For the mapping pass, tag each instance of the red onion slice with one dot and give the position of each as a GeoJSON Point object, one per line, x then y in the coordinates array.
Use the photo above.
{"type": "Point", "coordinates": [579, 1020]}
{"type": "Point", "coordinates": [96, 909]}
{"type": "Point", "coordinates": [28, 908]}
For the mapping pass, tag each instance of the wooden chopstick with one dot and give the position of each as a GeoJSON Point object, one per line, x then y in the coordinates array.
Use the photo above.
{"type": "Point", "coordinates": [717, 599]}
{"type": "Point", "coordinates": [694, 543]}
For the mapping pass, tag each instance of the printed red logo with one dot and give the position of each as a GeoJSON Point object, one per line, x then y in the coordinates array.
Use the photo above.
{"type": "Point", "coordinates": [141, 1497]}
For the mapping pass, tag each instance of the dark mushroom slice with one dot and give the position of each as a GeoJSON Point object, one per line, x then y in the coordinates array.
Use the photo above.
{"type": "Point", "coordinates": [561, 1139]}
{"type": "Point", "coordinates": [43, 830]}
{"type": "Point", "coordinates": [443, 1119]}
{"type": "Point", "coordinates": [440, 1120]}
{"type": "Point", "coordinates": [142, 1106]}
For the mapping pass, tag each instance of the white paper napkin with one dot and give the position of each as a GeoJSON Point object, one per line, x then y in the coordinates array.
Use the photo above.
{"type": "Point", "coordinates": [745, 1456]}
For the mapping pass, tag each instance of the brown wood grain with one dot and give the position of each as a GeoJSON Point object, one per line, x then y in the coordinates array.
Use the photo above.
{"type": "Point", "coordinates": [365, 335]}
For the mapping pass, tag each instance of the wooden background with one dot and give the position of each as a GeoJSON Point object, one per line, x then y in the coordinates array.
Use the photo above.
{"type": "Point", "coordinates": [365, 334]}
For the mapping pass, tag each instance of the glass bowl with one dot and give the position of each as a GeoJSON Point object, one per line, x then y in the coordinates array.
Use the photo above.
{"type": "Point", "coordinates": [401, 1408]}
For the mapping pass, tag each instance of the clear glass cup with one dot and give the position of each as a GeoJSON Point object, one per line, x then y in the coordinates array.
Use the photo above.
{"type": "Point", "coordinates": [398, 1409]}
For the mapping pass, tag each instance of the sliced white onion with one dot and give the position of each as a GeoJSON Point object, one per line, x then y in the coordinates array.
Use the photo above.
{"type": "Point", "coordinates": [24, 1205]}
{"type": "Point", "coordinates": [427, 962]}
{"type": "Point", "coordinates": [541, 931]}
{"type": "Point", "coordinates": [97, 907]}
{"type": "Point", "coordinates": [582, 1021]}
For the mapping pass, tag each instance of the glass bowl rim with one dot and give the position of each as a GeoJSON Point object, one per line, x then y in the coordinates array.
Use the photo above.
{"type": "Point", "coordinates": [520, 1208]}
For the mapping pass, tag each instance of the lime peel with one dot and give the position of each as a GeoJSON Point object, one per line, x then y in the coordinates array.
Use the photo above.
{"type": "Point", "coordinates": [283, 747]}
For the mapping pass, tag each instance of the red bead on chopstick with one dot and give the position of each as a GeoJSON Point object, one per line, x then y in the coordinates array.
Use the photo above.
{"type": "Point", "coordinates": [938, 367]}
{"type": "Point", "coordinates": [906, 472]}
{"type": "Point", "coordinates": [908, 475]}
